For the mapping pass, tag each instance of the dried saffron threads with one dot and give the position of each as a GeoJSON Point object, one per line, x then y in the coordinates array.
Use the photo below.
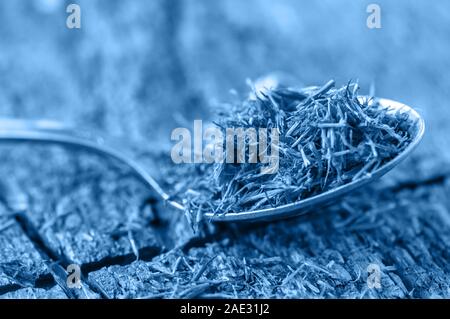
{"type": "Point", "coordinates": [327, 137]}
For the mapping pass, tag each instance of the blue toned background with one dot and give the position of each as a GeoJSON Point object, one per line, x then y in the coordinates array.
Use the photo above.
{"type": "Point", "coordinates": [140, 68]}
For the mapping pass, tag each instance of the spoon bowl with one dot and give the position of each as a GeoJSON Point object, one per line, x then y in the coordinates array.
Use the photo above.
{"type": "Point", "coordinates": [14, 130]}
{"type": "Point", "coordinates": [305, 205]}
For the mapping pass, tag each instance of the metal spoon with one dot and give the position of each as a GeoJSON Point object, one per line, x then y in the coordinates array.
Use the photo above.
{"type": "Point", "coordinates": [14, 130]}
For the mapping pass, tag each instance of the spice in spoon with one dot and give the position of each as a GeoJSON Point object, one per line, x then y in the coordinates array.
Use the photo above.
{"type": "Point", "coordinates": [328, 137]}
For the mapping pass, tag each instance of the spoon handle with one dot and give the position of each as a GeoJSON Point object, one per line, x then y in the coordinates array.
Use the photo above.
{"type": "Point", "coordinates": [44, 131]}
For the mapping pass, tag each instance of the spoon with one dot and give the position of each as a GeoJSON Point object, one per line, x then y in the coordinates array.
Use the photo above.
{"type": "Point", "coordinates": [43, 131]}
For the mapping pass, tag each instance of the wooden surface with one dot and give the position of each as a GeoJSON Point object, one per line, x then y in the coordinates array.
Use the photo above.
{"type": "Point", "coordinates": [92, 212]}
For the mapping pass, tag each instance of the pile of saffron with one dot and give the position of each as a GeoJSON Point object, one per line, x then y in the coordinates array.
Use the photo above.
{"type": "Point", "coordinates": [328, 137]}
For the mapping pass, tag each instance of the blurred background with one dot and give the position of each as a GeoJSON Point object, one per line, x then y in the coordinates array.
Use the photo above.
{"type": "Point", "coordinates": [141, 68]}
